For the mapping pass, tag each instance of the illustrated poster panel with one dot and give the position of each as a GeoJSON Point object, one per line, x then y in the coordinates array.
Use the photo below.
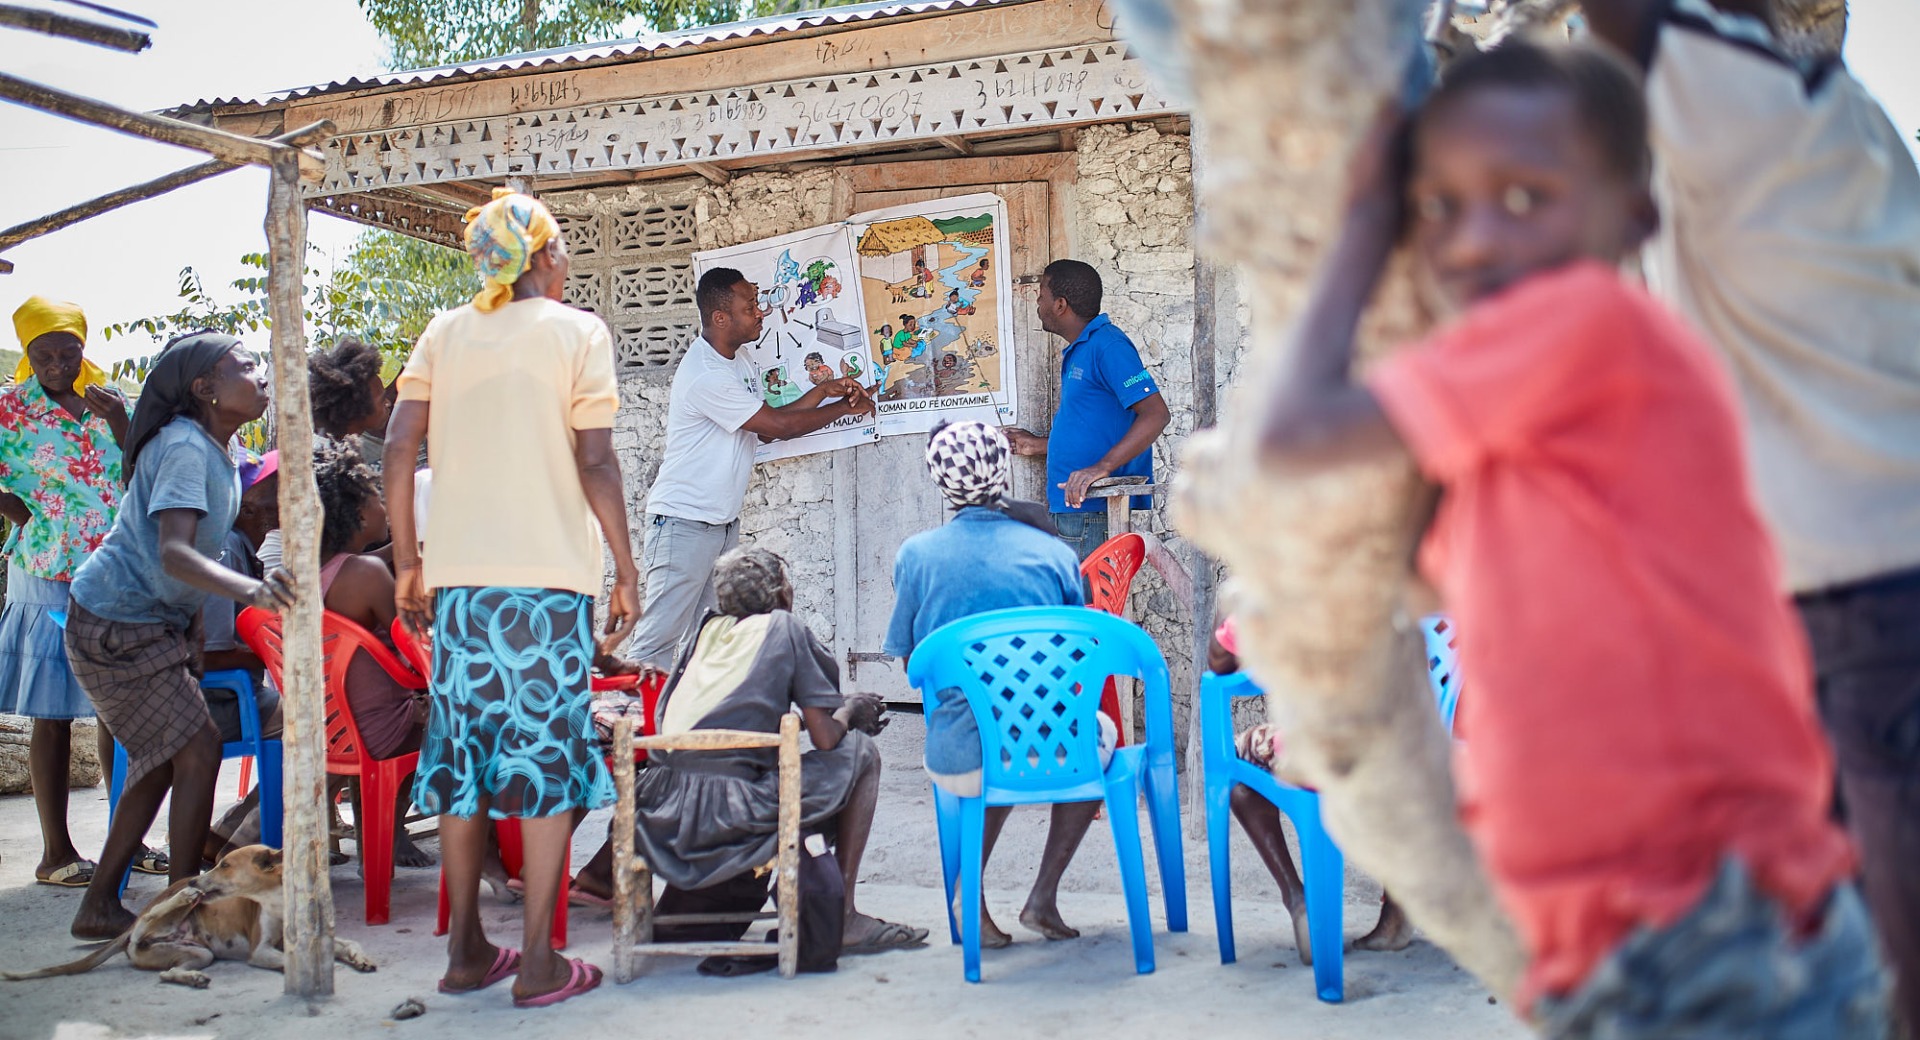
{"type": "Point", "coordinates": [939, 311]}
{"type": "Point", "coordinates": [810, 327]}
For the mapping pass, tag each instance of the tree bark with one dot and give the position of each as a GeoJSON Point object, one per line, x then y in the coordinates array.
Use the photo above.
{"type": "Point", "coordinates": [1284, 87]}
{"type": "Point", "coordinates": [309, 892]}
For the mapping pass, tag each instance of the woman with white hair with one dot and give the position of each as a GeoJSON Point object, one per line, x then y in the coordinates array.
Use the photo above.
{"type": "Point", "coordinates": [706, 817]}
{"type": "Point", "coordinates": [994, 554]}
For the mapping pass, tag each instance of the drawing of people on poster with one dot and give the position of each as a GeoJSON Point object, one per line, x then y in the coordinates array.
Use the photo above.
{"type": "Point", "coordinates": [938, 309]}
{"type": "Point", "coordinates": [811, 312]}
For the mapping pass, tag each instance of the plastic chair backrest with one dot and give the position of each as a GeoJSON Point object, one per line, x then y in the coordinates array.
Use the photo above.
{"type": "Point", "coordinates": [1109, 571]}
{"type": "Point", "coordinates": [1443, 664]}
{"type": "Point", "coordinates": [339, 639]}
{"type": "Point", "coordinates": [1032, 677]}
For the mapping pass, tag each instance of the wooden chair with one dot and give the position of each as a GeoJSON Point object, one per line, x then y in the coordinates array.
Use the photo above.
{"type": "Point", "coordinates": [633, 915]}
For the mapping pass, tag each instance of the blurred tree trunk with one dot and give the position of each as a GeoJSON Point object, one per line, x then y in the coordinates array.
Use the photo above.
{"type": "Point", "coordinates": [1284, 88]}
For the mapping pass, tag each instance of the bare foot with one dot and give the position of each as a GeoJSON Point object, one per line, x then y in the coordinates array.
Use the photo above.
{"type": "Point", "coordinates": [407, 854]}
{"type": "Point", "coordinates": [1046, 920]}
{"type": "Point", "coordinates": [1302, 938]}
{"type": "Point", "coordinates": [1393, 932]}
{"type": "Point", "coordinates": [100, 924]}
{"type": "Point", "coordinates": [991, 937]}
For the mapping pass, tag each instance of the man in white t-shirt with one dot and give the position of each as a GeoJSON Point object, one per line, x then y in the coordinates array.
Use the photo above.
{"type": "Point", "coordinates": [1792, 239]}
{"type": "Point", "coordinates": [716, 416]}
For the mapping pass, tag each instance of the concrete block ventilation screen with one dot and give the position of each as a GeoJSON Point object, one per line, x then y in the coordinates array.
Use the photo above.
{"type": "Point", "coordinates": [634, 268]}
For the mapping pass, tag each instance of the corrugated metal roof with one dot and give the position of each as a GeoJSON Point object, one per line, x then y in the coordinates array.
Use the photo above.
{"type": "Point", "coordinates": [612, 51]}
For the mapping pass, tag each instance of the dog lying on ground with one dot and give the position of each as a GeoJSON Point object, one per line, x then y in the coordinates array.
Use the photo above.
{"type": "Point", "coordinates": [233, 912]}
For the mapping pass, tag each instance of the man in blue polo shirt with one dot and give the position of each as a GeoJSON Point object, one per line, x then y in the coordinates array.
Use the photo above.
{"type": "Point", "coordinates": [1110, 411]}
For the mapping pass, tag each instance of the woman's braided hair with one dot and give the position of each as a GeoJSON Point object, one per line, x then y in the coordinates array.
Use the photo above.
{"type": "Point", "coordinates": [337, 383]}
{"type": "Point", "coordinates": [346, 484]}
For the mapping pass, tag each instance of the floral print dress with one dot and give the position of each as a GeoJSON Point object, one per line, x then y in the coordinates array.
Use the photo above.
{"type": "Point", "coordinates": [67, 471]}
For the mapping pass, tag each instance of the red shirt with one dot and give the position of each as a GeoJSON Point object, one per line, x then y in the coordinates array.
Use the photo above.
{"type": "Point", "coordinates": [1642, 693]}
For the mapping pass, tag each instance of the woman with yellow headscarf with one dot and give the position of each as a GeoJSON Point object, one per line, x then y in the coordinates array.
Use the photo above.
{"type": "Point", "coordinates": [60, 431]}
{"type": "Point", "coordinates": [521, 393]}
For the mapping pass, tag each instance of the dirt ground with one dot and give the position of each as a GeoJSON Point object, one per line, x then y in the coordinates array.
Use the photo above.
{"type": "Point", "coordinates": [1035, 988]}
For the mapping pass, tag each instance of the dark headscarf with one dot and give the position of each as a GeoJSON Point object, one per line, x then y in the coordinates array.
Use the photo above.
{"type": "Point", "coordinates": [168, 392]}
{"type": "Point", "coordinates": [973, 465]}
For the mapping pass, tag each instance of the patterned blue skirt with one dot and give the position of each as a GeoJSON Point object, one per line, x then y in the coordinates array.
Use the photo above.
{"type": "Point", "coordinates": [34, 674]}
{"type": "Point", "coordinates": [510, 712]}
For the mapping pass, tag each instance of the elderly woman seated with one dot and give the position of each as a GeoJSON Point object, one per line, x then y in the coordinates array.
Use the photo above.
{"type": "Point", "coordinates": [706, 817]}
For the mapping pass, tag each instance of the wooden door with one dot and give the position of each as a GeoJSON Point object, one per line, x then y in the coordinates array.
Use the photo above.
{"type": "Point", "coordinates": [882, 494]}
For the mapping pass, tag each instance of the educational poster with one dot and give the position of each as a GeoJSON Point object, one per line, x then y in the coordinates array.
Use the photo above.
{"type": "Point", "coordinates": [810, 332]}
{"type": "Point", "coordinates": [939, 311]}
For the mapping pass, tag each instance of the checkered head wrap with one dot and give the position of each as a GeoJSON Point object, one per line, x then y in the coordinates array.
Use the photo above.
{"type": "Point", "coordinates": [971, 462]}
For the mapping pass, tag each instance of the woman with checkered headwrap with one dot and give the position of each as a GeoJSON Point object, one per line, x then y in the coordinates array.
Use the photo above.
{"type": "Point", "coordinates": [994, 554]}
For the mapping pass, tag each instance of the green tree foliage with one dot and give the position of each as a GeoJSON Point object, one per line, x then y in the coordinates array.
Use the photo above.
{"type": "Point", "coordinates": [384, 293]}
{"type": "Point", "coordinates": [446, 32]}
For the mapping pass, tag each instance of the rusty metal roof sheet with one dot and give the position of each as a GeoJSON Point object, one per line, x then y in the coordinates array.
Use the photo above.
{"type": "Point", "coordinates": [611, 52]}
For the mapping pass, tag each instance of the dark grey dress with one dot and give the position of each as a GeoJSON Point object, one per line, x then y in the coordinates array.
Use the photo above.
{"type": "Point", "coordinates": [706, 816]}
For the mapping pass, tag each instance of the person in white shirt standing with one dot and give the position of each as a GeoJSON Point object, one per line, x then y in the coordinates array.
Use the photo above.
{"type": "Point", "coordinates": [1792, 238]}
{"type": "Point", "coordinates": [716, 416]}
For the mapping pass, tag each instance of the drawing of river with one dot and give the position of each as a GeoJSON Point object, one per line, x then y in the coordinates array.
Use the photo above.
{"type": "Point", "coordinates": [939, 323]}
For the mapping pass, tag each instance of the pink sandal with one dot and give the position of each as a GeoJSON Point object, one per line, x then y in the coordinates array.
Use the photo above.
{"type": "Point", "coordinates": [581, 978]}
{"type": "Point", "coordinates": [506, 963]}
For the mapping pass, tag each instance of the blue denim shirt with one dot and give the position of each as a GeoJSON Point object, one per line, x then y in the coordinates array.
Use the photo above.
{"type": "Point", "coordinates": [981, 560]}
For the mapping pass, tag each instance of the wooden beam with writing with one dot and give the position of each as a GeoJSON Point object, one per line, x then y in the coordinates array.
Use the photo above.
{"type": "Point", "coordinates": [248, 151]}
{"type": "Point", "coordinates": [839, 51]}
{"type": "Point", "coordinates": [13, 236]}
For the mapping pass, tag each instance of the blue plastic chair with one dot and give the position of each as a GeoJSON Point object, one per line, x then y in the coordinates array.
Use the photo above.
{"type": "Point", "coordinates": [1033, 677]}
{"type": "Point", "coordinates": [1323, 867]}
{"type": "Point", "coordinates": [251, 743]}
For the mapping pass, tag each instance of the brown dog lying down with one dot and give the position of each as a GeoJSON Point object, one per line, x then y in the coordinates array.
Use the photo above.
{"type": "Point", "coordinates": [231, 912]}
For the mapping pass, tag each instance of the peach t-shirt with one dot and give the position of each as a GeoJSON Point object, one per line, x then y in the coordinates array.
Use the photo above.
{"type": "Point", "coordinates": [505, 392]}
{"type": "Point", "coordinates": [1643, 702]}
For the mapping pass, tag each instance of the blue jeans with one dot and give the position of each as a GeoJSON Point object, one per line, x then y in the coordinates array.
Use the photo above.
{"type": "Point", "coordinates": [1732, 969]}
{"type": "Point", "coordinates": [1083, 532]}
{"type": "Point", "coordinates": [1866, 656]}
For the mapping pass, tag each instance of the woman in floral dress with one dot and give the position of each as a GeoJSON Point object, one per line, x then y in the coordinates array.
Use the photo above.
{"type": "Point", "coordinates": [60, 432]}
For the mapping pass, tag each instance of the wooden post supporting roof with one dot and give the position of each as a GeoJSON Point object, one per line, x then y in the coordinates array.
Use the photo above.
{"type": "Point", "coordinates": [309, 894]}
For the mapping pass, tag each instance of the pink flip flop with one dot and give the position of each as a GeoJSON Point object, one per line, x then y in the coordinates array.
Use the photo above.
{"type": "Point", "coordinates": [582, 977]}
{"type": "Point", "coordinates": [578, 896]}
{"type": "Point", "coordinates": [506, 963]}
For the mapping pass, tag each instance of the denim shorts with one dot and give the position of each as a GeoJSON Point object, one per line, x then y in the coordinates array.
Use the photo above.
{"type": "Point", "coordinates": [1732, 969]}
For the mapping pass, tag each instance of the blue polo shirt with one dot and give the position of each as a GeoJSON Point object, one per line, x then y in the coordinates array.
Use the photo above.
{"type": "Point", "coordinates": [1101, 379]}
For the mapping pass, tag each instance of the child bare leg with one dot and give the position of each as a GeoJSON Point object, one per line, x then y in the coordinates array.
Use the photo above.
{"type": "Point", "coordinates": [1261, 821]}
{"type": "Point", "coordinates": [1069, 826]}
{"type": "Point", "coordinates": [991, 935]}
{"type": "Point", "coordinates": [1392, 932]}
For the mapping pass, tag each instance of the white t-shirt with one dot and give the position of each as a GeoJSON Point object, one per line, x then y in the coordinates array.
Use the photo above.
{"type": "Point", "coordinates": [709, 456]}
{"type": "Point", "coordinates": [1791, 237]}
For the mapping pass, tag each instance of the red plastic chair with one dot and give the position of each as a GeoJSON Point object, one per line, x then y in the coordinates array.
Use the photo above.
{"type": "Point", "coordinates": [380, 778]}
{"type": "Point", "coordinates": [507, 831]}
{"type": "Point", "coordinates": [1109, 572]}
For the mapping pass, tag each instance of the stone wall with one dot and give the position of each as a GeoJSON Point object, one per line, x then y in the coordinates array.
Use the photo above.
{"type": "Point", "coordinates": [1130, 216]}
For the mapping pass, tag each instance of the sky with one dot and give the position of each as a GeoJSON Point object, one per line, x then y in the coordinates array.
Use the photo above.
{"type": "Point", "coordinates": [126, 264]}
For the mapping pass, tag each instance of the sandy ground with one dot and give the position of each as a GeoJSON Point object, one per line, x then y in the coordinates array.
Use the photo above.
{"type": "Point", "coordinates": [1034, 989]}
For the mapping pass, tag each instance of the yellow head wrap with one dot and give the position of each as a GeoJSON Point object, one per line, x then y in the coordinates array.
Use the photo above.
{"type": "Point", "coordinates": [502, 237]}
{"type": "Point", "coordinates": [39, 316]}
